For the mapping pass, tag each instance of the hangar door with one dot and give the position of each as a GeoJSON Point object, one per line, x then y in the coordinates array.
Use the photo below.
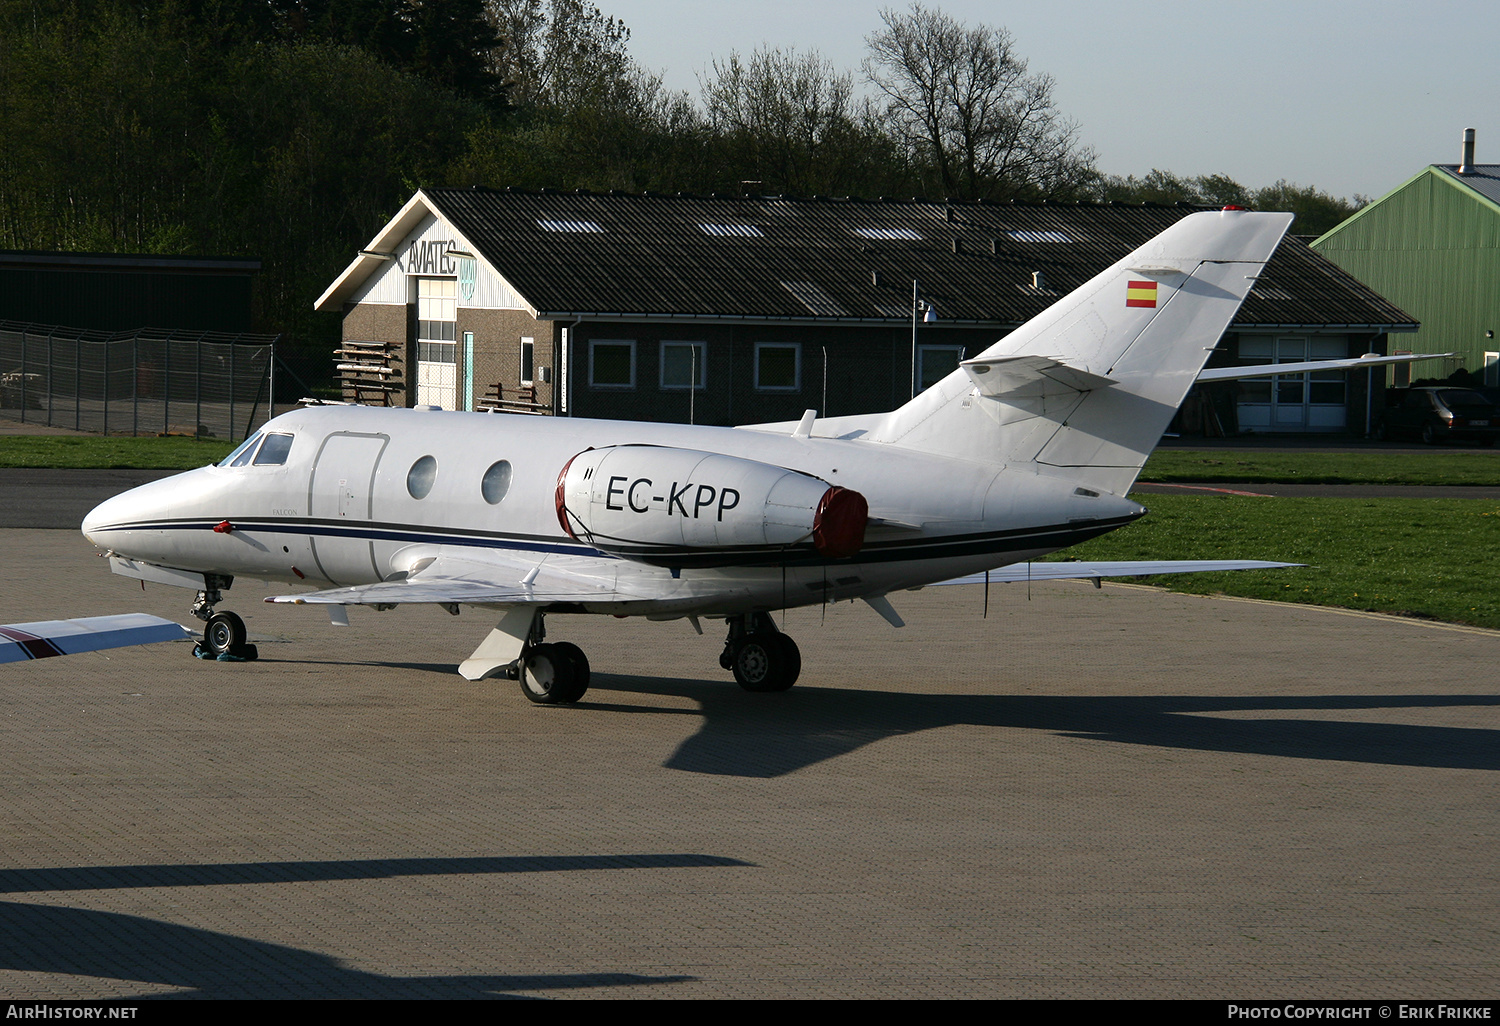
{"type": "Point", "coordinates": [1314, 401]}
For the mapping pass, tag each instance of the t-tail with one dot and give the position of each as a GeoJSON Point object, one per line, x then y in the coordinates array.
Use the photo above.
{"type": "Point", "coordinates": [1087, 387]}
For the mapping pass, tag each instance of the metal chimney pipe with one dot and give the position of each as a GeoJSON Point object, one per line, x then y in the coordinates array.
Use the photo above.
{"type": "Point", "coordinates": [1467, 167]}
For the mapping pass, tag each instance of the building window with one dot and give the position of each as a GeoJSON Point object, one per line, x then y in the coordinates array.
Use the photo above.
{"type": "Point", "coordinates": [437, 342]}
{"type": "Point", "coordinates": [934, 363]}
{"type": "Point", "coordinates": [437, 319]}
{"type": "Point", "coordinates": [683, 365]}
{"type": "Point", "coordinates": [528, 360]}
{"type": "Point", "coordinates": [778, 366]}
{"type": "Point", "coordinates": [611, 363]}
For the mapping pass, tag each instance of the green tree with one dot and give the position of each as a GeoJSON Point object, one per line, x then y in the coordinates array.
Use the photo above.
{"type": "Point", "coordinates": [1316, 210]}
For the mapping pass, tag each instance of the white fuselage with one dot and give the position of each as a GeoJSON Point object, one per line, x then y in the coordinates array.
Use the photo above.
{"type": "Point", "coordinates": [342, 510]}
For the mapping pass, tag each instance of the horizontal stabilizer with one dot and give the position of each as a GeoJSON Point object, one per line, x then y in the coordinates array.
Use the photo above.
{"type": "Point", "coordinates": [1018, 572]}
{"type": "Point", "coordinates": [20, 641]}
{"type": "Point", "coordinates": [1266, 370]}
{"type": "Point", "coordinates": [1029, 376]}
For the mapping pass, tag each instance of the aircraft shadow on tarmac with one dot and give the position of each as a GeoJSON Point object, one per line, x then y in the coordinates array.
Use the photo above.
{"type": "Point", "coordinates": [110, 945]}
{"type": "Point", "coordinates": [771, 735]}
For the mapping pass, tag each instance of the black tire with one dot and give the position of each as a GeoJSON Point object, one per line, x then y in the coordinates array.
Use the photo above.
{"type": "Point", "coordinates": [766, 661]}
{"type": "Point", "coordinates": [548, 676]}
{"type": "Point", "coordinates": [581, 672]}
{"type": "Point", "coordinates": [791, 662]}
{"type": "Point", "coordinates": [1429, 436]}
{"type": "Point", "coordinates": [224, 632]}
{"type": "Point", "coordinates": [1382, 433]}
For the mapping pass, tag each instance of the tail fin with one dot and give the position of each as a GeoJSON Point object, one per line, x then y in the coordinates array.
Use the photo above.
{"type": "Point", "coordinates": [1092, 382]}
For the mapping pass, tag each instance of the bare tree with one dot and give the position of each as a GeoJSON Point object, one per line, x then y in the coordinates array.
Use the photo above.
{"type": "Point", "coordinates": [789, 120]}
{"type": "Point", "coordinates": [560, 52]}
{"type": "Point", "coordinates": [964, 105]}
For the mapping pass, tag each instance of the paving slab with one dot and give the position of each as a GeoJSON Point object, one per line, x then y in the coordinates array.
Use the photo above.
{"type": "Point", "coordinates": [1091, 793]}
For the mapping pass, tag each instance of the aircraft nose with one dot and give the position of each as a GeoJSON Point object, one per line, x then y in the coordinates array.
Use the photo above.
{"type": "Point", "coordinates": [109, 512]}
{"type": "Point", "coordinates": [113, 520]}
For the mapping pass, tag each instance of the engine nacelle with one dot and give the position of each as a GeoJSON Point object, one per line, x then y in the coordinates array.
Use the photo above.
{"type": "Point", "coordinates": [684, 508]}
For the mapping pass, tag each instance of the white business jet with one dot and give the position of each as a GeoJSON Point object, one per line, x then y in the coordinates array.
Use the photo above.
{"type": "Point", "coordinates": [1028, 448]}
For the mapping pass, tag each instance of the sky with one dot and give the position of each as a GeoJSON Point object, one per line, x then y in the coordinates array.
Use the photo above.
{"type": "Point", "coordinates": [1353, 98]}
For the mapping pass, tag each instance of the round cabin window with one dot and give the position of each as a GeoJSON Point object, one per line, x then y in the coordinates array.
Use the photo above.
{"type": "Point", "coordinates": [420, 477]}
{"type": "Point", "coordinates": [496, 482]}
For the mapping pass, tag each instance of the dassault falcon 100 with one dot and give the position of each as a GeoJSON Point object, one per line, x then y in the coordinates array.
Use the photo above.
{"type": "Point", "coordinates": [1025, 449]}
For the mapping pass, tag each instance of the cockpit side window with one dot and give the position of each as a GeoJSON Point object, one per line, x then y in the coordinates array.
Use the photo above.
{"type": "Point", "coordinates": [241, 456]}
{"type": "Point", "coordinates": [274, 451]}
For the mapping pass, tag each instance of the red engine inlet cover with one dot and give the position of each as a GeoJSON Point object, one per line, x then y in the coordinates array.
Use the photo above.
{"type": "Point", "coordinates": [560, 498]}
{"type": "Point", "coordinates": [839, 526]}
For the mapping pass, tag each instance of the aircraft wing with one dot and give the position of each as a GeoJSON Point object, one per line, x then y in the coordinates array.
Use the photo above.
{"type": "Point", "coordinates": [1064, 571]}
{"type": "Point", "coordinates": [47, 638]}
{"type": "Point", "coordinates": [1266, 370]}
{"type": "Point", "coordinates": [495, 579]}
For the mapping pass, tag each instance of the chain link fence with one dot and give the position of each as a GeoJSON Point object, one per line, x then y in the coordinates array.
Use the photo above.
{"type": "Point", "coordinates": [145, 382]}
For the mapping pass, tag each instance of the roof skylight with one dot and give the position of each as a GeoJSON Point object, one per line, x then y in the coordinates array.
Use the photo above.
{"type": "Point", "coordinates": [569, 226]}
{"type": "Point", "coordinates": [1028, 236]}
{"type": "Point", "coordinates": [812, 296]}
{"type": "Point", "coordinates": [889, 234]}
{"type": "Point", "coordinates": [744, 231]}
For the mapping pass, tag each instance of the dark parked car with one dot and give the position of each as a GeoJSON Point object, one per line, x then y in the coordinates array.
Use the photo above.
{"type": "Point", "coordinates": [1439, 414]}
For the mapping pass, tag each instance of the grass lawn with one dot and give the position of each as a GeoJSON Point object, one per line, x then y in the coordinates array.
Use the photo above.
{"type": "Point", "coordinates": [1436, 467]}
{"type": "Point", "coordinates": [94, 452]}
{"type": "Point", "coordinates": [1435, 558]}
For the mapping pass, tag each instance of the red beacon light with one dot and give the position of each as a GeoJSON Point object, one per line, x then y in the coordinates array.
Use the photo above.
{"type": "Point", "coordinates": [1234, 206]}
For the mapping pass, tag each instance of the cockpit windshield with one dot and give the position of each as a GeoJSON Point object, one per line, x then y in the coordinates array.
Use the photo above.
{"type": "Point", "coordinates": [241, 456]}
{"type": "Point", "coordinates": [273, 450]}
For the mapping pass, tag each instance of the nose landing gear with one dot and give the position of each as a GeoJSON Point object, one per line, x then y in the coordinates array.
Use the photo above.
{"type": "Point", "coordinates": [223, 633]}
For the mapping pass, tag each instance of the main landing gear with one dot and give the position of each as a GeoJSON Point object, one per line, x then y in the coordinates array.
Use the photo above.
{"type": "Point", "coordinates": [761, 657]}
{"type": "Point", "coordinates": [554, 674]}
{"type": "Point", "coordinates": [557, 673]}
{"type": "Point", "coordinates": [551, 673]}
{"type": "Point", "coordinates": [223, 633]}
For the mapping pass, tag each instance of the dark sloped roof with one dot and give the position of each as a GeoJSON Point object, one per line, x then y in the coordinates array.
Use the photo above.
{"type": "Point", "coordinates": [645, 256]}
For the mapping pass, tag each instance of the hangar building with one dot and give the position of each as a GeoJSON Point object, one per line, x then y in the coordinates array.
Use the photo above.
{"type": "Point", "coordinates": [122, 292]}
{"type": "Point", "coordinates": [1432, 244]}
{"type": "Point", "coordinates": [736, 310]}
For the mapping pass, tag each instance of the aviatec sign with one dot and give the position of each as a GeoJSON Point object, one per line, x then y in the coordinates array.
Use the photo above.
{"type": "Point", "coordinates": [431, 256]}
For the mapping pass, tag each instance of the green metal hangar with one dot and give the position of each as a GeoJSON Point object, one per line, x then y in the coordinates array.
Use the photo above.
{"type": "Point", "coordinates": [1432, 245]}
{"type": "Point", "coordinates": [736, 310]}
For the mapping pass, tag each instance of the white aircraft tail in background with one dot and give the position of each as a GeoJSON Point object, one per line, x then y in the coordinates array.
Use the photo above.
{"type": "Point", "coordinates": [1088, 386]}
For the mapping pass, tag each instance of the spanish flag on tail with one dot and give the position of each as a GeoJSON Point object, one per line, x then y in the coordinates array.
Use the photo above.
{"type": "Point", "coordinates": [1141, 293]}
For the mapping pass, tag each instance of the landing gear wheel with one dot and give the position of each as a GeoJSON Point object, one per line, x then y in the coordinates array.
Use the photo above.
{"type": "Point", "coordinates": [550, 676]}
{"type": "Point", "coordinates": [1382, 433]}
{"type": "Point", "coordinates": [1429, 436]}
{"type": "Point", "coordinates": [225, 634]}
{"type": "Point", "coordinates": [766, 662]}
{"type": "Point", "coordinates": [569, 651]}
